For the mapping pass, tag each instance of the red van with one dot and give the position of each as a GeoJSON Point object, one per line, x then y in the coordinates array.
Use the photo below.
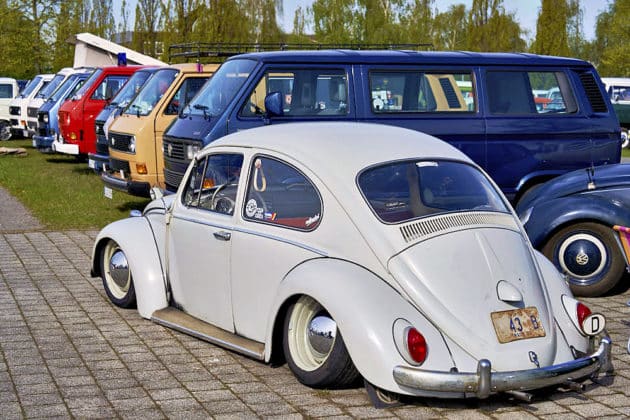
{"type": "Point", "coordinates": [77, 115]}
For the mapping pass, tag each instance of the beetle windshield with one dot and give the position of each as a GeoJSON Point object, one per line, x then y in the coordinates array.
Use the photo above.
{"type": "Point", "coordinates": [130, 89]}
{"type": "Point", "coordinates": [219, 92]}
{"type": "Point", "coordinates": [77, 96]}
{"type": "Point", "coordinates": [151, 92]}
{"type": "Point", "coordinates": [401, 191]}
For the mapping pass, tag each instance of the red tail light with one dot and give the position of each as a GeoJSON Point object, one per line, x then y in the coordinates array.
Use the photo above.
{"type": "Point", "coordinates": [417, 345]}
{"type": "Point", "coordinates": [582, 313]}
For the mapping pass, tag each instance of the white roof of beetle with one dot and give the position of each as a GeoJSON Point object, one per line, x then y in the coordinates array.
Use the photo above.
{"type": "Point", "coordinates": [336, 147]}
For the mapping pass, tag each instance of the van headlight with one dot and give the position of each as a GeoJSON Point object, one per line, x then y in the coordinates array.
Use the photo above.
{"type": "Point", "coordinates": [45, 118]}
{"type": "Point", "coordinates": [132, 144]}
{"type": "Point", "coordinates": [191, 149]}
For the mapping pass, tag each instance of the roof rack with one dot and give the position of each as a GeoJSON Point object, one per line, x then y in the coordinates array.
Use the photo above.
{"type": "Point", "coordinates": [219, 49]}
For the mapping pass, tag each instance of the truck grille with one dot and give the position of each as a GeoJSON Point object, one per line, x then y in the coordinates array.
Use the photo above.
{"type": "Point", "coordinates": [173, 150]}
{"type": "Point", "coordinates": [119, 141]}
{"type": "Point", "coordinates": [172, 179]}
{"type": "Point", "coordinates": [117, 165]}
{"type": "Point", "coordinates": [14, 110]}
{"type": "Point", "coordinates": [32, 125]}
{"type": "Point", "coordinates": [43, 130]}
{"type": "Point", "coordinates": [32, 112]}
{"type": "Point", "coordinates": [14, 122]}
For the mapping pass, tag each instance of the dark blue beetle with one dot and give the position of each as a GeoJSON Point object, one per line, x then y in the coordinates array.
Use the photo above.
{"type": "Point", "coordinates": [570, 219]}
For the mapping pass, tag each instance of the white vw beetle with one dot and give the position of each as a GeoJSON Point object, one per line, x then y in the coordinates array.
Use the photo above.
{"type": "Point", "coordinates": [354, 251]}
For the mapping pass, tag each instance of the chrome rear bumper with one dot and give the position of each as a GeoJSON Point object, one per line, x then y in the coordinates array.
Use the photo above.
{"type": "Point", "coordinates": [485, 382]}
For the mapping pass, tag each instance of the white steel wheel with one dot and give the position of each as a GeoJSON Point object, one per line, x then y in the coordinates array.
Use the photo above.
{"type": "Point", "coordinates": [116, 276]}
{"type": "Point", "coordinates": [314, 348]}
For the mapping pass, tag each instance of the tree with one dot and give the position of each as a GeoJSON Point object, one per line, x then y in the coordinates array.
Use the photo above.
{"type": "Point", "coordinates": [378, 21]}
{"type": "Point", "coordinates": [333, 21]}
{"type": "Point", "coordinates": [148, 24]}
{"type": "Point", "coordinates": [551, 28]}
{"type": "Point", "coordinates": [68, 22]}
{"type": "Point", "coordinates": [180, 17]}
{"type": "Point", "coordinates": [450, 29]}
{"type": "Point", "coordinates": [16, 40]}
{"type": "Point", "coordinates": [490, 28]}
{"type": "Point", "coordinates": [37, 31]}
{"type": "Point", "coordinates": [417, 22]}
{"type": "Point", "coordinates": [612, 42]}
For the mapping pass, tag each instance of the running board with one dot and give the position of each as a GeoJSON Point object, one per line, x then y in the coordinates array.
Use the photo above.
{"type": "Point", "coordinates": [182, 322]}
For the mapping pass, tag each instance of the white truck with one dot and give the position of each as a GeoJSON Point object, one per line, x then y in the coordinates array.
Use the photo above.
{"type": "Point", "coordinates": [8, 90]}
{"type": "Point", "coordinates": [18, 106]}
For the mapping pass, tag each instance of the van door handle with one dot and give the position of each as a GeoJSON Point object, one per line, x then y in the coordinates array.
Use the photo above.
{"type": "Point", "coordinates": [222, 235]}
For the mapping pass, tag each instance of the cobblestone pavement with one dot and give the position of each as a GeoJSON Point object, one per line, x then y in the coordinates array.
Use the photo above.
{"type": "Point", "coordinates": [65, 351]}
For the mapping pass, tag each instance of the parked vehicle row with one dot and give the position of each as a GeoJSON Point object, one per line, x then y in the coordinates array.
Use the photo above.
{"type": "Point", "coordinates": [393, 184]}
{"type": "Point", "coordinates": [486, 105]}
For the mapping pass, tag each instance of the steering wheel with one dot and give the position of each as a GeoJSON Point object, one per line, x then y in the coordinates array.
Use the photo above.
{"type": "Point", "coordinates": [222, 204]}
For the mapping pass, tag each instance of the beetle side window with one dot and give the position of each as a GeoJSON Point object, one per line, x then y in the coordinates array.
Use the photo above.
{"type": "Point", "coordinates": [109, 87]}
{"type": "Point", "coordinates": [213, 183]}
{"type": "Point", "coordinates": [279, 194]}
{"type": "Point", "coordinates": [401, 191]}
{"type": "Point", "coordinates": [519, 92]}
{"type": "Point", "coordinates": [305, 92]}
{"type": "Point", "coordinates": [420, 92]}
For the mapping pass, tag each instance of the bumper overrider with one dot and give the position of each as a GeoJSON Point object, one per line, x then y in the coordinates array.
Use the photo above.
{"type": "Point", "coordinates": [140, 189]}
{"type": "Point", "coordinates": [484, 382]}
{"type": "Point", "coordinates": [100, 163]}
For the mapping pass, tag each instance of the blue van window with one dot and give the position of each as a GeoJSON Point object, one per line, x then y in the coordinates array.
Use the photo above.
{"type": "Point", "coordinates": [418, 92]}
{"type": "Point", "coordinates": [308, 92]}
{"type": "Point", "coordinates": [184, 94]}
{"type": "Point", "coordinates": [519, 92]}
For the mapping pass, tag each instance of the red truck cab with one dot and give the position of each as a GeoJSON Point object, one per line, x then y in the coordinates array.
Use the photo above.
{"type": "Point", "coordinates": [77, 115]}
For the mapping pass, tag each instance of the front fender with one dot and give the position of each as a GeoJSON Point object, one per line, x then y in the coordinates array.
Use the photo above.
{"type": "Point", "coordinates": [547, 217]}
{"type": "Point", "coordinates": [135, 237]}
{"type": "Point", "coordinates": [365, 308]}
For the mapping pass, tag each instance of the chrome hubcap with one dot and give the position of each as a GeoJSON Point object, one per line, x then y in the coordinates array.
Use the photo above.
{"type": "Point", "coordinates": [119, 269]}
{"type": "Point", "coordinates": [321, 334]}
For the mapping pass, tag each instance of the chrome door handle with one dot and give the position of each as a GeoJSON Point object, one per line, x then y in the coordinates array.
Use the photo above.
{"type": "Point", "coordinates": [223, 235]}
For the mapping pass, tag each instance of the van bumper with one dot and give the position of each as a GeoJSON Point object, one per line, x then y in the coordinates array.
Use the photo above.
{"type": "Point", "coordinates": [100, 163]}
{"type": "Point", "coordinates": [139, 189]}
{"type": "Point", "coordinates": [43, 143]}
{"type": "Point", "coordinates": [67, 148]}
{"type": "Point", "coordinates": [484, 382]}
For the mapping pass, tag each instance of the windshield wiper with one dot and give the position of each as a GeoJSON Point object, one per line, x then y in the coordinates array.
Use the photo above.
{"type": "Point", "coordinates": [137, 110]}
{"type": "Point", "coordinates": [204, 108]}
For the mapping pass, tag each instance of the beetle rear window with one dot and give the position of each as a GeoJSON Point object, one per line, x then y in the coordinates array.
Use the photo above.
{"type": "Point", "coordinates": [401, 191]}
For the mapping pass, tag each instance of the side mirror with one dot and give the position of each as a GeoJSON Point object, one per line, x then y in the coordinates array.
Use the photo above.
{"type": "Point", "coordinates": [273, 104]}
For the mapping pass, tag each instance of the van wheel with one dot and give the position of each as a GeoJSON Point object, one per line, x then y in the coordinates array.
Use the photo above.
{"type": "Point", "coordinates": [5, 131]}
{"type": "Point", "coordinates": [589, 256]}
{"type": "Point", "coordinates": [117, 276]}
{"type": "Point", "coordinates": [314, 348]}
{"type": "Point", "coordinates": [625, 141]}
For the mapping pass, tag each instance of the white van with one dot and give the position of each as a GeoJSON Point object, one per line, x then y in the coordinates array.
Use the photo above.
{"type": "Point", "coordinates": [618, 89]}
{"type": "Point", "coordinates": [18, 106]}
{"type": "Point", "coordinates": [8, 90]}
{"type": "Point", "coordinates": [39, 99]}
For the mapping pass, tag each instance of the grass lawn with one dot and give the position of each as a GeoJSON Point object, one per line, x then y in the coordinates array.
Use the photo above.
{"type": "Point", "coordinates": [625, 152]}
{"type": "Point", "coordinates": [61, 191]}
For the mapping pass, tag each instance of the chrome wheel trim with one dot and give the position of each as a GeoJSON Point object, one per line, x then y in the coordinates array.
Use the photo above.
{"type": "Point", "coordinates": [117, 273]}
{"type": "Point", "coordinates": [590, 277]}
{"type": "Point", "coordinates": [308, 342]}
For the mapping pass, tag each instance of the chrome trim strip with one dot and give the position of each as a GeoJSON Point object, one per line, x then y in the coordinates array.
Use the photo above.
{"type": "Point", "coordinates": [252, 232]}
{"type": "Point", "coordinates": [225, 344]}
{"type": "Point", "coordinates": [484, 382]}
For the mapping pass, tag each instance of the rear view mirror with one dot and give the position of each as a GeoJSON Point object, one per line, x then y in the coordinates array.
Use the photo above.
{"type": "Point", "coordinates": [273, 104]}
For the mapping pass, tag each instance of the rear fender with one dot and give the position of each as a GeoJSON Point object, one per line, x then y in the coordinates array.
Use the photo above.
{"type": "Point", "coordinates": [548, 217]}
{"type": "Point", "coordinates": [135, 237]}
{"type": "Point", "coordinates": [365, 308]}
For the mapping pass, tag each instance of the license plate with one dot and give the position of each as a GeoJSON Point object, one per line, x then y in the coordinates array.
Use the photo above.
{"type": "Point", "coordinates": [108, 192]}
{"type": "Point", "coordinates": [517, 324]}
{"type": "Point", "coordinates": [91, 164]}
